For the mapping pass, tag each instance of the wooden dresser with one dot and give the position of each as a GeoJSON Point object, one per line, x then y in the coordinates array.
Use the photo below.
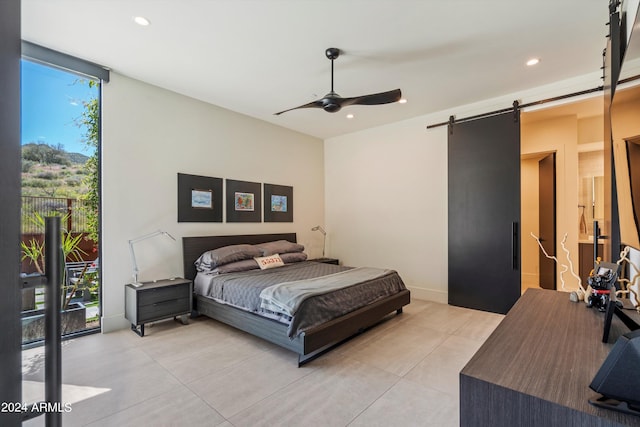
{"type": "Point", "coordinates": [536, 367]}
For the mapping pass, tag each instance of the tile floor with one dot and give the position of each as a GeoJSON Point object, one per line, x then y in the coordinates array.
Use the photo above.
{"type": "Point", "coordinates": [403, 372]}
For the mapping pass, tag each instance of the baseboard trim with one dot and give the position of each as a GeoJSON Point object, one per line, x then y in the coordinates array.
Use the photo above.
{"type": "Point", "coordinates": [429, 294]}
{"type": "Point", "coordinates": [114, 323]}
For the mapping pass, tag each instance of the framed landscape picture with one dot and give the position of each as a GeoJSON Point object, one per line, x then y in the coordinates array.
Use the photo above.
{"type": "Point", "coordinates": [243, 201]}
{"type": "Point", "coordinates": [202, 199]}
{"type": "Point", "coordinates": [278, 203]}
{"type": "Point", "coordinates": [199, 198]}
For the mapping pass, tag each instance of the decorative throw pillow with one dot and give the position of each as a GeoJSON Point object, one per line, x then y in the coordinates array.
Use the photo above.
{"type": "Point", "coordinates": [234, 267]}
{"type": "Point", "coordinates": [292, 257]}
{"type": "Point", "coordinates": [279, 247]}
{"type": "Point", "coordinates": [225, 255]}
{"type": "Point", "coordinates": [270, 261]}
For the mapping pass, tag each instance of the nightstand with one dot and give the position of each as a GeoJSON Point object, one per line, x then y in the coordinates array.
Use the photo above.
{"type": "Point", "coordinates": [157, 300]}
{"type": "Point", "coordinates": [327, 260]}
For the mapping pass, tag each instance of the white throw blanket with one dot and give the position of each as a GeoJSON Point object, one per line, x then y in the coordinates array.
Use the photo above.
{"type": "Point", "coordinates": [287, 297]}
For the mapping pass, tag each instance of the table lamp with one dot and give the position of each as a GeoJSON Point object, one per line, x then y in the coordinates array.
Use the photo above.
{"type": "Point", "coordinates": [324, 236]}
{"type": "Point", "coordinates": [136, 270]}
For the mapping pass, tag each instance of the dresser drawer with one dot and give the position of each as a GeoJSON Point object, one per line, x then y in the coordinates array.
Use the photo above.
{"type": "Point", "coordinates": [163, 309]}
{"type": "Point", "coordinates": [166, 293]}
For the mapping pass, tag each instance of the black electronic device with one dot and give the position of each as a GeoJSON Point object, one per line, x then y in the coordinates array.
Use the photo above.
{"type": "Point", "coordinates": [618, 379]}
{"type": "Point", "coordinates": [602, 282]}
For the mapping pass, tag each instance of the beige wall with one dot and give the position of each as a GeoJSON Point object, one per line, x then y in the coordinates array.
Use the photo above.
{"type": "Point", "coordinates": [386, 196]}
{"type": "Point", "coordinates": [151, 134]}
{"type": "Point", "coordinates": [591, 129]}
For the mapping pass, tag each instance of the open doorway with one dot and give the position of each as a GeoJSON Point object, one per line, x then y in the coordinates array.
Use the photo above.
{"type": "Point", "coordinates": [568, 131]}
{"type": "Point", "coordinates": [538, 183]}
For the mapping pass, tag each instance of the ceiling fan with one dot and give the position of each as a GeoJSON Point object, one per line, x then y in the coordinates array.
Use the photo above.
{"type": "Point", "coordinates": [332, 102]}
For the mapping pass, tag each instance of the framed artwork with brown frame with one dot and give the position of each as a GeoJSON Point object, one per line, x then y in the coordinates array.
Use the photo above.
{"type": "Point", "coordinates": [199, 198]}
{"type": "Point", "coordinates": [244, 201]}
{"type": "Point", "coordinates": [278, 203]}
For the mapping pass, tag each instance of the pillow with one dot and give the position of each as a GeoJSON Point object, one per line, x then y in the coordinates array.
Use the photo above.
{"type": "Point", "coordinates": [211, 259]}
{"type": "Point", "coordinates": [292, 257]}
{"type": "Point", "coordinates": [270, 261]}
{"type": "Point", "coordinates": [279, 247]}
{"type": "Point", "coordinates": [234, 267]}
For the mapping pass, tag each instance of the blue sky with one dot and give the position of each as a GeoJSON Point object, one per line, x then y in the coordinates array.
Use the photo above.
{"type": "Point", "coordinates": [51, 103]}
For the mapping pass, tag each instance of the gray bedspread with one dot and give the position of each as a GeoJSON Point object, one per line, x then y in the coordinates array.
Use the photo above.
{"type": "Point", "coordinates": [287, 297]}
{"type": "Point", "coordinates": [243, 290]}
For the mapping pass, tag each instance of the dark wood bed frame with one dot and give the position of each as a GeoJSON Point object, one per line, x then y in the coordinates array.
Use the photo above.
{"type": "Point", "coordinates": [311, 343]}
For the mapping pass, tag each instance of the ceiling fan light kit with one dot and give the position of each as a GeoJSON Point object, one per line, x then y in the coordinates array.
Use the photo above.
{"type": "Point", "coordinates": [332, 102]}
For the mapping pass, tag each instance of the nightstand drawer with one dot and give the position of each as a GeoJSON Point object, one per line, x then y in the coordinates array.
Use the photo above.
{"type": "Point", "coordinates": [163, 309]}
{"type": "Point", "coordinates": [152, 301]}
{"type": "Point", "coordinates": [156, 295]}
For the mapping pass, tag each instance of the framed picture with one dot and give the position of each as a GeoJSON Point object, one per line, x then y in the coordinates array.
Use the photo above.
{"type": "Point", "coordinates": [243, 201]}
{"type": "Point", "coordinates": [278, 203]}
{"type": "Point", "coordinates": [202, 199]}
{"type": "Point", "coordinates": [199, 198]}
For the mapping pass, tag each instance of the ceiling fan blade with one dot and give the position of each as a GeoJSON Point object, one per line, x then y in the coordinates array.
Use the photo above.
{"type": "Point", "coordinates": [332, 102]}
{"type": "Point", "coordinates": [374, 99]}
{"type": "Point", "coordinates": [313, 104]}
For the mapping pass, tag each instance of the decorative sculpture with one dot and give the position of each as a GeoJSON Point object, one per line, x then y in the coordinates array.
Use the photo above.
{"type": "Point", "coordinates": [575, 296]}
{"type": "Point", "coordinates": [627, 285]}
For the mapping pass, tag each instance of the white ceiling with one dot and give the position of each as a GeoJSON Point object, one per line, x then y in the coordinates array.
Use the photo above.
{"type": "Point", "coordinates": [258, 57]}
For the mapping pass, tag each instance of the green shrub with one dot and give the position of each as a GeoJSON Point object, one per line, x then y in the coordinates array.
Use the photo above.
{"type": "Point", "coordinates": [35, 183]}
{"type": "Point", "coordinates": [27, 165]}
{"type": "Point", "coordinates": [47, 175]}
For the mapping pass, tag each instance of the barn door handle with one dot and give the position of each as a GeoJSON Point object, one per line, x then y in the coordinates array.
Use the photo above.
{"type": "Point", "coordinates": [514, 245]}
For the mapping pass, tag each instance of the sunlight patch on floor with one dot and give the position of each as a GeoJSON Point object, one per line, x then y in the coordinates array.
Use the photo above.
{"type": "Point", "coordinates": [33, 391]}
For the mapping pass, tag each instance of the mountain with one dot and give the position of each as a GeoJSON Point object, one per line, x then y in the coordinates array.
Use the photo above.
{"type": "Point", "coordinates": [49, 171]}
{"type": "Point", "coordinates": [77, 158]}
{"type": "Point", "coordinates": [50, 154]}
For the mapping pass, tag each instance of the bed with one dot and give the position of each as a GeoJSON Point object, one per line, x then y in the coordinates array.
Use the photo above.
{"type": "Point", "coordinates": [313, 340]}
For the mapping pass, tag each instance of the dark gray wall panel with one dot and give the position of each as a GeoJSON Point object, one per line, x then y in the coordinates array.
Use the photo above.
{"type": "Point", "coordinates": [10, 301]}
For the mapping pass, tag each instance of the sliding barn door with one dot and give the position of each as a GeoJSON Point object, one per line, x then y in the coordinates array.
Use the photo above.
{"type": "Point", "coordinates": [484, 213]}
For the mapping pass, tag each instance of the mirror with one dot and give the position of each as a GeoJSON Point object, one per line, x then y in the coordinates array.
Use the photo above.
{"type": "Point", "coordinates": [625, 111]}
{"type": "Point", "coordinates": [591, 204]}
{"type": "Point", "coordinates": [631, 61]}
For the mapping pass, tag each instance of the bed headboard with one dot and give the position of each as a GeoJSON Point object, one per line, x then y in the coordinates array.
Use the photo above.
{"type": "Point", "coordinates": [193, 247]}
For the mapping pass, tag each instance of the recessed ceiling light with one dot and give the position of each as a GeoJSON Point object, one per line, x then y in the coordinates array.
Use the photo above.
{"type": "Point", "coordinates": [533, 61]}
{"type": "Point", "coordinates": [141, 20]}
{"type": "Point", "coordinates": [350, 116]}
{"type": "Point", "coordinates": [402, 101]}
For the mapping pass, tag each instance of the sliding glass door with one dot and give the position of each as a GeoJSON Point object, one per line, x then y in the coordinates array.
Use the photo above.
{"type": "Point", "coordinates": [60, 175]}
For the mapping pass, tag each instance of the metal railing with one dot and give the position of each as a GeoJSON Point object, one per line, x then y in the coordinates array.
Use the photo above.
{"type": "Point", "coordinates": [47, 206]}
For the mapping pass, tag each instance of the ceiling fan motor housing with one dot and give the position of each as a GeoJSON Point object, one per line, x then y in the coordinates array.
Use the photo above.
{"type": "Point", "coordinates": [332, 53]}
{"type": "Point", "coordinates": [331, 103]}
